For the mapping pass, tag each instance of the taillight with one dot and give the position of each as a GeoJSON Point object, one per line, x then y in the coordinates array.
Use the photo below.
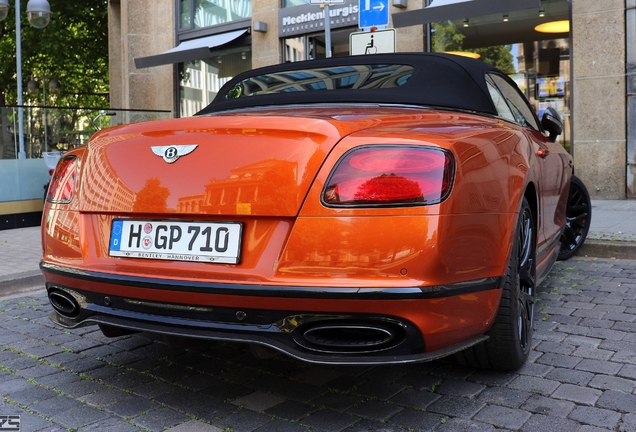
{"type": "Point", "coordinates": [390, 175]}
{"type": "Point", "coordinates": [62, 186]}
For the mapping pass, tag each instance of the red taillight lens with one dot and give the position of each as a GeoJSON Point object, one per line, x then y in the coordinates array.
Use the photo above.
{"type": "Point", "coordinates": [390, 175]}
{"type": "Point", "coordinates": [62, 186]}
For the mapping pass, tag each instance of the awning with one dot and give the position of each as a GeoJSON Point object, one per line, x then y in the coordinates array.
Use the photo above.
{"type": "Point", "coordinates": [195, 49]}
{"type": "Point", "coordinates": [444, 10]}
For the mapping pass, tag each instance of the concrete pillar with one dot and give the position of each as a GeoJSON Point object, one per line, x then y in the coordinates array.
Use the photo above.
{"type": "Point", "coordinates": [599, 113]}
{"type": "Point", "coordinates": [142, 28]}
{"type": "Point", "coordinates": [266, 47]}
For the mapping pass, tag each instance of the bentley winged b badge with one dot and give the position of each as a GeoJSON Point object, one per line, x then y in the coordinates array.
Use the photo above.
{"type": "Point", "coordinates": [173, 152]}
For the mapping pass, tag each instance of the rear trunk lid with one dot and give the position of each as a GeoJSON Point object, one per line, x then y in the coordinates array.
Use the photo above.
{"type": "Point", "coordinates": [260, 165]}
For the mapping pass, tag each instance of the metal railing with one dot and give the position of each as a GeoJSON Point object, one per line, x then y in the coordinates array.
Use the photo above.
{"type": "Point", "coordinates": [48, 128]}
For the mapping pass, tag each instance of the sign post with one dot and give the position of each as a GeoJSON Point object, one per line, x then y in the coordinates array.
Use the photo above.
{"type": "Point", "coordinates": [325, 4]}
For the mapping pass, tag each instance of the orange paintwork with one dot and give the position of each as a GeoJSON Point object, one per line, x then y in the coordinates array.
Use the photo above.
{"type": "Point", "coordinates": [271, 175]}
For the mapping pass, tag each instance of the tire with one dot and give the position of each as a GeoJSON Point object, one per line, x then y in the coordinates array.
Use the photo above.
{"type": "Point", "coordinates": [578, 218]}
{"type": "Point", "coordinates": [510, 339]}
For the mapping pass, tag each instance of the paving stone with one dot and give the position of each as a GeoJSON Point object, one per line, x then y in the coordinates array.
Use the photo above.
{"type": "Point", "coordinates": [279, 426]}
{"type": "Point", "coordinates": [20, 363]}
{"type": "Point", "coordinates": [503, 417]}
{"type": "Point", "coordinates": [598, 366]}
{"type": "Point", "coordinates": [328, 420]}
{"type": "Point", "coordinates": [628, 371]}
{"type": "Point", "coordinates": [226, 391]}
{"type": "Point", "coordinates": [595, 416]}
{"type": "Point", "coordinates": [210, 409]}
{"type": "Point", "coordinates": [197, 381]}
{"type": "Point", "coordinates": [80, 416]}
{"type": "Point", "coordinates": [291, 410]}
{"type": "Point", "coordinates": [299, 391]}
{"type": "Point", "coordinates": [578, 394]}
{"type": "Point", "coordinates": [258, 401]}
{"type": "Point", "coordinates": [80, 388]}
{"type": "Point", "coordinates": [607, 382]}
{"type": "Point", "coordinates": [504, 396]}
{"type": "Point", "coordinates": [132, 406]}
{"type": "Point", "coordinates": [43, 351]}
{"type": "Point", "coordinates": [194, 426]}
{"type": "Point", "coordinates": [570, 376]}
{"type": "Point", "coordinates": [492, 378]}
{"type": "Point", "coordinates": [457, 387]}
{"type": "Point", "coordinates": [419, 399]}
{"type": "Point", "coordinates": [463, 425]}
{"type": "Point", "coordinates": [31, 423]}
{"type": "Point", "coordinates": [419, 381]}
{"type": "Point", "coordinates": [55, 405]}
{"type": "Point", "coordinates": [128, 380]}
{"type": "Point", "coordinates": [550, 407]}
{"type": "Point", "coordinates": [559, 360]}
{"type": "Point", "coordinates": [10, 386]}
{"type": "Point", "coordinates": [417, 420]}
{"type": "Point", "coordinates": [534, 385]}
{"type": "Point", "coordinates": [617, 401]}
{"type": "Point", "coordinates": [456, 406]}
{"type": "Point", "coordinates": [535, 369]}
{"type": "Point", "coordinates": [542, 423]}
{"type": "Point", "coordinates": [380, 390]}
{"type": "Point", "coordinates": [556, 348]}
{"type": "Point", "coordinates": [316, 376]}
{"type": "Point", "coordinates": [243, 421]}
{"type": "Point", "coordinates": [153, 389]}
{"type": "Point", "coordinates": [160, 419]}
{"type": "Point", "coordinates": [375, 410]}
{"type": "Point", "coordinates": [111, 424]}
{"type": "Point", "coordinates": [337, 401]}
{"type": "Point", "coordinates": [57, 379]}
{"type": "Point", "coordinates": [31, 395]}
{"type": "Point", "coordinates": [37, 371]}
{"type": "Point", "coordinates": [371, 426]}
{"type": "Point", "coordinates": [104, 397]}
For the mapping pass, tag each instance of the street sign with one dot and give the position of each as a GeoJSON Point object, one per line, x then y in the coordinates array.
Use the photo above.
{"type": "Point", "coordinates": [326, 1]}
{"type": "Point", "coordinates": [381, 41]}
{"type": "Point", "coordinates": [373, 13]}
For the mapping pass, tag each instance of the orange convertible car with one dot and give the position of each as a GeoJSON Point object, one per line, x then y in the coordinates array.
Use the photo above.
{"type": "Point", "coordinates": [371, 209]}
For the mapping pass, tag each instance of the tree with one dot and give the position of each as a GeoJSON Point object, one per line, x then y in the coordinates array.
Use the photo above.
{"type": "Point", "coordinates": [73, 48]}
{"type": "Point", "coordinates": [446, 37]}
{"type": "Point", "coordinates": [152, 198]}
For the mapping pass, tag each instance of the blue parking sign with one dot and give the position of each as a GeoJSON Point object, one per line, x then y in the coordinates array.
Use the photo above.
{"type": "Point", "coordinates": [373, 13]}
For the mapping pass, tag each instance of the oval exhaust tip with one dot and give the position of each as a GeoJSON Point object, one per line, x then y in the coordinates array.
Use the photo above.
{"type": "Point", "coordinates": [64, 303]}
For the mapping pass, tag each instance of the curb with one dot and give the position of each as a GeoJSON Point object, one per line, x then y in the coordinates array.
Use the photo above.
{"type": "Point", "coordinates": [21, 282]}
{"type": "Point", "coordinates": [608, 249]}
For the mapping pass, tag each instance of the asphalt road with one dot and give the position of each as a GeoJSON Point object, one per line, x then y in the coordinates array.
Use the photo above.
{"type": "Point", "coordinates": [581, 375]}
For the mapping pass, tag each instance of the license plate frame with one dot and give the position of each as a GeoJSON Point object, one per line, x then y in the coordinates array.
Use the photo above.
{"type": "Point", "coordinates": [217, 242]}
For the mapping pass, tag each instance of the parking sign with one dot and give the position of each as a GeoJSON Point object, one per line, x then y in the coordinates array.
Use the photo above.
{"type": "Point", "coordinates": [373, 13]}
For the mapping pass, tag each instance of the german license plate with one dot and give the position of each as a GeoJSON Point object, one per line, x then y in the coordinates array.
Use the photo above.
{"type": "Point", "coordinates": [215, 242]}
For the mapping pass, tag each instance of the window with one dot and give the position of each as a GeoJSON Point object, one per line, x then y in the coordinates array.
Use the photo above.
{"type": "Point", "coordinates": [502, 107]}
{"type": "Point", "coordinates": [521, 111]}
{"type": "Point", "coordinates": [206, 13]}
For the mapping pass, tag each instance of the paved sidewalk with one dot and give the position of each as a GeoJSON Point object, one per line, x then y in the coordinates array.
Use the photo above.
{"type": "Point", "coordinates": [612, 234]}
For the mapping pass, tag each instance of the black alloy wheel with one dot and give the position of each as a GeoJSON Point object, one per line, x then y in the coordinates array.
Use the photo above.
{"type": "Point", "coordinates": [578, 218]}
{"type": "Point", "coordinates": [511, 334]}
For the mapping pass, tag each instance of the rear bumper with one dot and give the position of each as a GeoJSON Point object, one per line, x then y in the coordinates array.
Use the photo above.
{"type": "Point", "coordinates": [281, 317]}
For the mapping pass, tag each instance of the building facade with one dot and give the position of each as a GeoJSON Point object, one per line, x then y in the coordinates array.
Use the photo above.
{"type": "Point", "coordinates": [175, 54]}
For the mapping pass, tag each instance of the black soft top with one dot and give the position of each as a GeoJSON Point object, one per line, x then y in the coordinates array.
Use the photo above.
{"type": "Point", "coordinates": [426, 79]}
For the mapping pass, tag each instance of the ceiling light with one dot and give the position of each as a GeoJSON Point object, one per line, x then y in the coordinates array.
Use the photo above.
{"type": "Point", "coordinates": [243, 55]}
{"type": "Point", "coordinates": [505, 17]}
{"type": "Point", "coordinates": [219, 60]}
{"type": "Point", "coordinates": [464, 54]}
{"type": "Point", "coordinates": [542, 12]}
{"type": "Point", "coordinates": [466, 22]}
{"type": "Point", "coordinates": [554, 27]}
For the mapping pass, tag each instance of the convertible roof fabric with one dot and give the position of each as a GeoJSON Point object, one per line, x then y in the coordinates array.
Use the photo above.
{"type": "Point", "coordinates": [437, 80]}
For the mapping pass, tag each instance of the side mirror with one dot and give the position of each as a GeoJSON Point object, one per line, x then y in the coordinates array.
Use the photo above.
{"type": "Point", "coordinates": [552, 123]}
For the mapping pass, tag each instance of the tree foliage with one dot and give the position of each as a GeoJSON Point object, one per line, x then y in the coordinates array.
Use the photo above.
{"type": "Point", "coordinates": [73, 48]}
{"type": "Point", "coordinates": [446, 37]}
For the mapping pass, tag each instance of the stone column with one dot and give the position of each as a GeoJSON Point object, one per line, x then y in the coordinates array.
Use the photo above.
{"type": "Point", "coordinates": [266, 47]}
{"type": "Point", "coordinates": [140, 28]}
{"type": "Point", "coordinates": [598, 56]}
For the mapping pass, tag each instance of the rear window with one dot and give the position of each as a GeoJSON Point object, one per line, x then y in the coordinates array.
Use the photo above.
{"type": "Point", "coordinates": [369, 76]}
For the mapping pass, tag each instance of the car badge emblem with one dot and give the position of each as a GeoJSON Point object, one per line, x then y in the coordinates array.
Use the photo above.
{"type": "Point", "coordinates": [173, 152]}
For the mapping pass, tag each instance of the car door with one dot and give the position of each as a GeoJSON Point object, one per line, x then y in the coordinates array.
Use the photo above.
{"type": "Point", "coordinates": [550, 162]}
